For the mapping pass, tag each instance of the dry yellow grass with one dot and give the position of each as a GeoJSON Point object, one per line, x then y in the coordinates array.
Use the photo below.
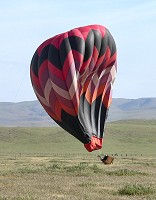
{"type": "Point", "coordinates": [37, 164]}
{"type": "Point", "coordinates": [73, 178]}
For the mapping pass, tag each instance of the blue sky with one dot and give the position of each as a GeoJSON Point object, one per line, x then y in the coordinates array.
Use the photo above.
{"type": "Point", "coordinates": [25, 24]}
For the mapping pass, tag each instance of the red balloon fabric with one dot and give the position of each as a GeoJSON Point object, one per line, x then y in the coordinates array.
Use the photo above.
{"type": "Point", "coordinates": [72, 75]}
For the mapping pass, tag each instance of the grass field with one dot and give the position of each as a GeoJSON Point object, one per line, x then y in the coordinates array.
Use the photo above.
{"type": "Point", "coordinates": [48, 163]}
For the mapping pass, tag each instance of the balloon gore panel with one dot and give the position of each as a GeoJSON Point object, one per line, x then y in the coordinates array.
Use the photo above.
{"type": "Point", "coordinates": [72, 75]}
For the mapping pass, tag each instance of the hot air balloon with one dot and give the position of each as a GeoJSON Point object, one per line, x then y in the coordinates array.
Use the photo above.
{"type": "Point", "coordinates": [72, 75]}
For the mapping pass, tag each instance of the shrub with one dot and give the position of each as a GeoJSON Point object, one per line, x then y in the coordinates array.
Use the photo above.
{"type": "Point", "coordinates": [125, 172]}
{"type": "Point", "coordinates": [136, 189]}
{"type": "Point", "coordinates": [95, 168]}
{"type": "Point", "coordinates": [76, 168]}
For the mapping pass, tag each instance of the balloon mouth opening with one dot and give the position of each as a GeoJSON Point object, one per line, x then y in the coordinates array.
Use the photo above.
{"type": "Point", "coordinates": [94, 144]}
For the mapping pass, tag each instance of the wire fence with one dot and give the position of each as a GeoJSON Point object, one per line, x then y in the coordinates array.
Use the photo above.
{"type": "Point", "coordinates": [24, 154]}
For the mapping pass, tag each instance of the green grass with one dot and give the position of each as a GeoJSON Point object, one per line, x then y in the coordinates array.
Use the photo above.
{"type": "Point", "coordinates": [131, 137]}
{"type": "Point", "coordinates": [37, 140]}
{"type": "Point", "coordinates": [136, 189]}
{"type": "Point", "coordinates": [126, 172]}
{"type": "Point", "coordinates": [75, 178]}
{"type": "Point", "coordinates": [48, 163]}
{"type": "Point", "coordinates": [123, 137]}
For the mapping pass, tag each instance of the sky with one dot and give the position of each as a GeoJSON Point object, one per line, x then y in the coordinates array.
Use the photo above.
{"type": "Point", "coordinates": [25, 24]}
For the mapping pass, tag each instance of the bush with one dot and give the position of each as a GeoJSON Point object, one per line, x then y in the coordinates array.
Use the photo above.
{"type": "Point", "coordinates": [136, 189]}
{"type": "Point", "coordinates": [95, 169]}
{"type": "Point", "coordinates": [125, 172]}
{"type": "Point", "coordinates": [76, 168]}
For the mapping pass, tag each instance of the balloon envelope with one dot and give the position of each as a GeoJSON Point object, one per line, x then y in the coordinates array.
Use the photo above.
{"type": "Point", "coordinates": [72, 75]}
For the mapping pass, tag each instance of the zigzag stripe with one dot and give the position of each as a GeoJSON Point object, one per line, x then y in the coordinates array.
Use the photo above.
{"type": "Point", "coordinates": [97, 84]}
{"type": "Point", "coordinates": [72, 75]}
{"type": "Point", "coordinates": [74, 43]}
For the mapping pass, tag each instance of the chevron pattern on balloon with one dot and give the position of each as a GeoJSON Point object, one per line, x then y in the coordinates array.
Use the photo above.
{"type": "Point", "coordinates": [75, 64]}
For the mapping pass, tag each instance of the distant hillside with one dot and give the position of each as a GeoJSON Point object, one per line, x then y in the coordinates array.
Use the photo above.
{"type": "Point", "coordinates": [31, 113]}
{"type": "Point", "coordinates": [142, 108]}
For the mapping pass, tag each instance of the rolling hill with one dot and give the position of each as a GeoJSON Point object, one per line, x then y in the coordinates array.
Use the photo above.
{"type": "Point", "coordinates": [30, 113]}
